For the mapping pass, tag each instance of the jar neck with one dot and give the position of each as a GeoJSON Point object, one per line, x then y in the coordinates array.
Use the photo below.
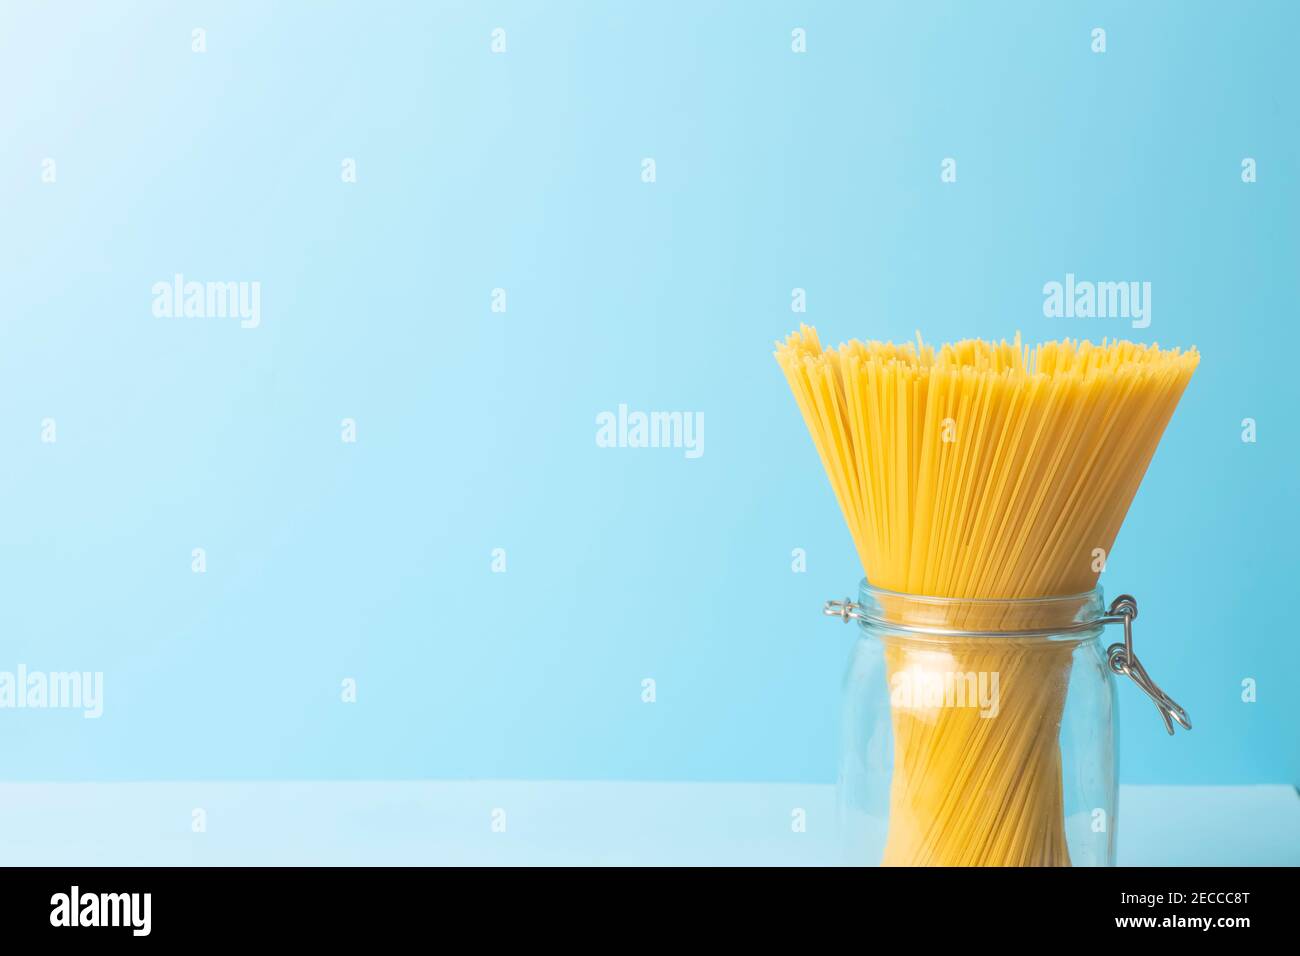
{"type": "Point", "coordinates": [994, 617]}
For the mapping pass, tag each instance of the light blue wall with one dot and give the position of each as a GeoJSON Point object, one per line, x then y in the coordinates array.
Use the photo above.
{"type": "Point", "coordinates": [371, 560]}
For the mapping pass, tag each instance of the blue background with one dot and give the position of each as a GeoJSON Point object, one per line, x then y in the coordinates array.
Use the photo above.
{"type": "Point", "coordinates": [476, 429]}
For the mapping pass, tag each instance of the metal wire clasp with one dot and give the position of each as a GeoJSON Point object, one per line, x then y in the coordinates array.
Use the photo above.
{"type": "Point", "coordinates": [846, 610]}
{"type": "Point", "coordinates": [1121, 658]}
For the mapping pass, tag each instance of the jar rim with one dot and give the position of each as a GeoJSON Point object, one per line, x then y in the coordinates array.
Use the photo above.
{"type": "Point", "coordinates": [1059, 615]}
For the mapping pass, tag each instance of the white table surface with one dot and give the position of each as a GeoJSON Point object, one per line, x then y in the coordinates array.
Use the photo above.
{"type": "Point", "coordinates": [553, 822]}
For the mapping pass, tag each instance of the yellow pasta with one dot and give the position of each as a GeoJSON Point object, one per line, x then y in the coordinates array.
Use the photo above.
{"type": "Point", "coordinates": [983, 470]}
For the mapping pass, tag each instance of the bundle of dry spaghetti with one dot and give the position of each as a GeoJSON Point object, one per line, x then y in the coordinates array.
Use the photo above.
{"type": "Point", "coordinates": [984, 471]}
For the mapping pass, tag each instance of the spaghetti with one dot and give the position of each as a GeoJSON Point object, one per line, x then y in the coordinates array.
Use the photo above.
{"type": "Point", "coordinates": [983, 470]}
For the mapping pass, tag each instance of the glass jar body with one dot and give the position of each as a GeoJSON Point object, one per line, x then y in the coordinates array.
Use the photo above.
{"type": "Point", "coordinates": [975, 733]}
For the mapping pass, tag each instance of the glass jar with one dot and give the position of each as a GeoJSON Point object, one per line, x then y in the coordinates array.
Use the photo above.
{"type": "Point", "coordinates": [982, 732]}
